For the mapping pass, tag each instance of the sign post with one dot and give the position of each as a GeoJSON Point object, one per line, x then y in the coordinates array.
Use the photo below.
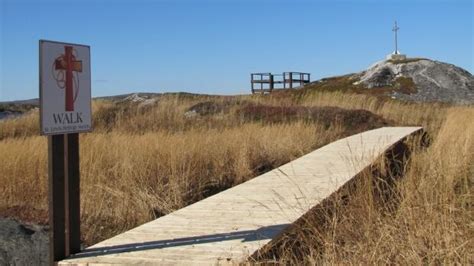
{"type": "Point", "coordinates": [65, 110]}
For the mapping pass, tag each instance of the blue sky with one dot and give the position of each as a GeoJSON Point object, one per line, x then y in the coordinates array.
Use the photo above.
{"type": "Point", "coordinates": [212, 46]}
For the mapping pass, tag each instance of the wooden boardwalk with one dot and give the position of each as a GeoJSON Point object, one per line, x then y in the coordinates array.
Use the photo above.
{"type": "Point", "coordinates": [228, 227]}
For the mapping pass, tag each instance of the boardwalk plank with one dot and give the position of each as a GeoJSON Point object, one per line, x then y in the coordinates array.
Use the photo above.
{"type": "Point", "coordinates": [230, 226]}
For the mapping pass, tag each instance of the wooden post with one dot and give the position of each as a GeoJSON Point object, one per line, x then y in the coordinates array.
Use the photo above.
{"type": "Point", "coordinates": [271, 82]}
{"type": "Point", "coordinates": [73, 193]}
{"type": "Point", "coordinates": [57, 249]}
{"type": "Point", "coordinates": [251, 82]}
{"type": "Point", "coordinates": [64, 196]}
{"type": "Point", "coordinates": [291, 79]}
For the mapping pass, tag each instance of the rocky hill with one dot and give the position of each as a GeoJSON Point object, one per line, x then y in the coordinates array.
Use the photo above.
{"type": "Point", "coordinates": [414, 79]}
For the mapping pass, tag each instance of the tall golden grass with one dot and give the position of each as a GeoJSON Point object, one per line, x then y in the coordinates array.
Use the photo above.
{"type": "Point", "coordinates": [432, 221]}
{"type": "Point", "coordinates": [143, 162]}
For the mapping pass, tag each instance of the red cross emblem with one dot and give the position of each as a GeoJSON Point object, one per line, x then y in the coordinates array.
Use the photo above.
{"type": "Point", "coordinates": [68, 63]}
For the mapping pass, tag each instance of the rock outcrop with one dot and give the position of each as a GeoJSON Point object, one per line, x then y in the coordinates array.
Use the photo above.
{"type": "Point", "coordinates": [420, 80]}
{"type": "Point", "coordinates": [22, 244]}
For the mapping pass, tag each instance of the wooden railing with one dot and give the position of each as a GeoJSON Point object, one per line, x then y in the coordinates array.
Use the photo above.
{"type": "Point", "coordinates": [268, 82]}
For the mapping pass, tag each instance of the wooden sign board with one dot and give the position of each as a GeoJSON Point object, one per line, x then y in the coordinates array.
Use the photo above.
{"type": "Point", "coordinates": [65, 88]}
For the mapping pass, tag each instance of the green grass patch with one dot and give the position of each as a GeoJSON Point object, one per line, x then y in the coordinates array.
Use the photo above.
{"type": "Point", "coordinates": [405, 85]}
{"type": "Point", "coordinates": [345, 83]}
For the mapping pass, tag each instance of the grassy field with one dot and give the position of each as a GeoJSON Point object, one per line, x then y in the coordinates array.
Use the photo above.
{"type": "Point", "coordinates": [144, 161]}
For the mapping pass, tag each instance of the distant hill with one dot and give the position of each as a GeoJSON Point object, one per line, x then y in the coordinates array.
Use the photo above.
{"type": "Point", "coordinates": [14, 109]}
{"type": "Point", "coordinates": [142, 96]}
{"type": "Point", "coordinates": [413, 79]}
{"type": "Point", "coordinates": [34, 101]}
{"type": "Point", "coordinates": [11, 109]}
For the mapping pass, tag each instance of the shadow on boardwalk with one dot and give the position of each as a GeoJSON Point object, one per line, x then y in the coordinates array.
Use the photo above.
{"type": "Point", "coordinates": [267, 232]}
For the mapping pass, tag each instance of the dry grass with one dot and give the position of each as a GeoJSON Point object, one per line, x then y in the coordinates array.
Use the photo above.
{"type": "Point", "coordinates": [427, 220]}
{"type": "Point", "coordinates": [143, 162]}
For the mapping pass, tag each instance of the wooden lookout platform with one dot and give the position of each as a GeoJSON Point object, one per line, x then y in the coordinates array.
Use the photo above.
{"type": "Point", "coordinates": [230, 226]}
{"type": "Point", "coordinates": [267, 82]}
